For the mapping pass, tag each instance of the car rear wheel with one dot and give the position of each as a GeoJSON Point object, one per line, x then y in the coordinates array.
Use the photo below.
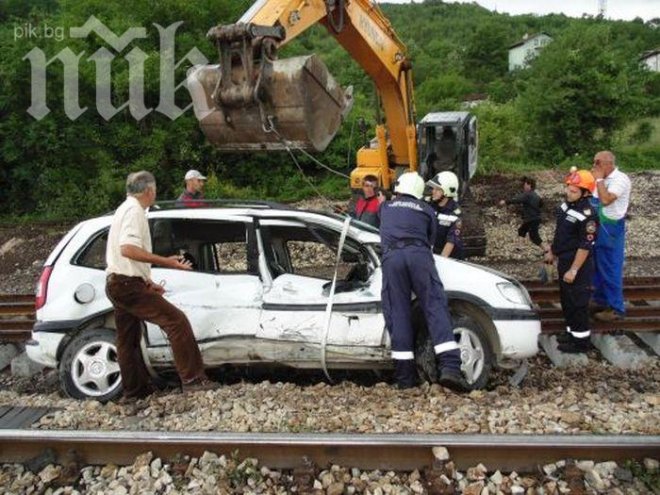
{"type": "Point", "coordinates": [477, 355]}
{"type": "Point", "coordinates": [89, 368]}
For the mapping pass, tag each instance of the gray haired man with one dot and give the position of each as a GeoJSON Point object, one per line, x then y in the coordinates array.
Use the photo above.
{"type": "Point", "coordinates": [136, 298]}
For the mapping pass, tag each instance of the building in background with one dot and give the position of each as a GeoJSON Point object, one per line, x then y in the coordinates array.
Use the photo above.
{"type": "Point", "coordinates": [524, 51]}
{"type": "Point", "coordinates": [651, 60]}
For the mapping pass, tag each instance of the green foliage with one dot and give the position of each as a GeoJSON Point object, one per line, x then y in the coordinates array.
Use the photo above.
{"type": "Point", "coordinates": [500, 140]}
{"type": "Point", "coordinates": [580, 89]}
{"type": "Point", "coordinates": [578, 95]}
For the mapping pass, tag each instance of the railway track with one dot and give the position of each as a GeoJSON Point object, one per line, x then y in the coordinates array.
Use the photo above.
{"type": "Point", "coordinates": [401, 452]}
{"type": "Point", "coordinates": [642, 297]}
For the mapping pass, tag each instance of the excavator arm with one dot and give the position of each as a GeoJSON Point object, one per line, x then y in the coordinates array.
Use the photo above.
{"type": "Point", "coordinates": [252, 100]}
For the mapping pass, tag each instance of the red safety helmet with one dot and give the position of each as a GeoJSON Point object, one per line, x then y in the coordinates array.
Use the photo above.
{"type": "Point", "coordinates": [582, 179]}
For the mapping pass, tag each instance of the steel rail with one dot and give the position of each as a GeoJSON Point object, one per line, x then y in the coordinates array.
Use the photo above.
{"type": "Point", "coordinates": [16, 308]}
{"type": "Point", "coordinates": [630, 293]}
{"type": "Point", "coordinates": [522, 453]}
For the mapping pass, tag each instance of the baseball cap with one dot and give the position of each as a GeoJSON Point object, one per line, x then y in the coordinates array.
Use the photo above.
{"type": "Point", "coordinates": [194, 174]}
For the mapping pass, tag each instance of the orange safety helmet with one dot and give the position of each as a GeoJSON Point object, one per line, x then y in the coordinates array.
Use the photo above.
{"type": "Point", "coordinates": [583, 179]}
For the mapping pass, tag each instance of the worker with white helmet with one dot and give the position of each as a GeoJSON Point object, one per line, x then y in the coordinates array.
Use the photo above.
{"type": "Point", "coordinates": [408, 227]}
{"type": "Point", "coordinates": [444, 200]}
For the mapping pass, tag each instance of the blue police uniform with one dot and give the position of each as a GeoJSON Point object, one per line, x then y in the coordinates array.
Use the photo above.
{"type": "Point", "coordinates": [408, 229]}
{"type": "Point", "coordinates": [449, 228]}
{"type": "Point", "coordinates": [577, 228]}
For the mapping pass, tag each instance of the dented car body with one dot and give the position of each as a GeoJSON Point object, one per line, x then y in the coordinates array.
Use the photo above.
{"type": "Point", "coordinates": [260, 292]}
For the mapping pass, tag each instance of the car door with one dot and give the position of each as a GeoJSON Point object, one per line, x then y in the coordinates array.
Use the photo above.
{"type": "Point", "coordinates": [301, 260]}
{"type": "Point", "coordinates": [222, 294]}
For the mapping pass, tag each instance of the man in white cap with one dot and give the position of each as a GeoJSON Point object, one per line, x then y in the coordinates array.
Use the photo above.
{"type": "Point", "coordinates": [193, 195]}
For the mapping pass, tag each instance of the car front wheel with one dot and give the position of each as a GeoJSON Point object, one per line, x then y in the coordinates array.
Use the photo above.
{"type": "Point", "coordinates": [89, 368]}
{"type": "Point", "coordinates": [477, 356]}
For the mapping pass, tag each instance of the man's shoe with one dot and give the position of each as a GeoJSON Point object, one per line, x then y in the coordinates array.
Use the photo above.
{"type": "Point", "coordinates": [577, 346]}
{"type": "Point", "coordinates": [608, 315]}
{"type": "Point", "coordinates": [199, 385]}
{"type": "Point", "coordinates": [454, 380]}
{"type": "Point", "coordinates": [595, 307]}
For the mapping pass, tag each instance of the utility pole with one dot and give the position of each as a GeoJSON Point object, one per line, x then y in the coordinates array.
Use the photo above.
{"type": "Point", "coordinates": [602, 8]}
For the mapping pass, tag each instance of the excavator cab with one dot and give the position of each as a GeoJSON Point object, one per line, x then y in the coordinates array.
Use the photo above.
{"type": "Point", "coordinates": [448, 141]}
{"type": "Point", "coordinates": [253, 101]}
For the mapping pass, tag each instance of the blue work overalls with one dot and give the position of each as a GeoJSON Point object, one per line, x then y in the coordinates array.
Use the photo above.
{"type": "Point", "coordinates": [608, 260]}
{"type": "Point", "coordinates": [408, 228]}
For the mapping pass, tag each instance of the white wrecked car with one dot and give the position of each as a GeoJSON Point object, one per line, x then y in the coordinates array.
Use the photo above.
{"type": "Point", "coordinates": [261, 293]}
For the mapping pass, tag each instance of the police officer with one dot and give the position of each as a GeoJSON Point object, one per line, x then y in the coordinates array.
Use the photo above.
{"type": "Point", "coordinates": [575, 236]}
{"type": "Point", "coordinates": [408, 228]}
{"type": "Point", "coordinates": [444, 197]}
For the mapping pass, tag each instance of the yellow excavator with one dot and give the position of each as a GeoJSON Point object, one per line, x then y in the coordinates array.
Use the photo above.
{"type": "Point", "coordinates": [253, 101]}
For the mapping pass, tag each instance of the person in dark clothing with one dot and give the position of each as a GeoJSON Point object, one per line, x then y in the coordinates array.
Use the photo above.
{"type": "Point", "coordinates": [444, 197]}
{"type": "Point", "coordinates": [193, 194]}
{"type": "Point", "coordinates": [408, 228]}
{"type": "Point", "coordinates": [572, 245]}
{"type": "Point", "coordinates": [366, 207]}
{"type": "Point", "coordinates": [531, 210]}
{"type": "Point", "coordinates": [445, 158]}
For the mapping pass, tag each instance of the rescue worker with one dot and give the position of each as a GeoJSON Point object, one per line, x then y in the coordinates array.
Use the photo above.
{"type": "Point", "coordinates": [366, 207]}
{"type": "Point", "coordinates": [193, 195]}
{"type": "Point", "coordinates": [575, 236]}
{"type": "Point", "coordinates": [408, 228]}
{"type": "Point", "coordinates": [444, 201]}
{"type": "Point", "coordinates": [611, 200]}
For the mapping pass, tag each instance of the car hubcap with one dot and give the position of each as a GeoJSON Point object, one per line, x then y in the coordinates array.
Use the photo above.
{"type": "Point", "coordinates": [472, 354]}
{"type": "Point", "coordinates": [95, 370]}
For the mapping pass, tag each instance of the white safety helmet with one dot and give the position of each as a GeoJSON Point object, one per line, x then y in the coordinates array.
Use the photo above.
{"type": "Point", "coordinates": [447, 181]}
{"type": "Point", "coordinates": [410, 183]}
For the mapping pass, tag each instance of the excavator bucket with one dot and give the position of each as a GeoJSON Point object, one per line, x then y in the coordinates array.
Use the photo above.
{"type": "Point", "coordinates": [292, 102]}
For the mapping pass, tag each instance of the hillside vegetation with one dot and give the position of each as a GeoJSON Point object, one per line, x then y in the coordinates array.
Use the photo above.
{"type": "Point", "coordinates": [586, 91]}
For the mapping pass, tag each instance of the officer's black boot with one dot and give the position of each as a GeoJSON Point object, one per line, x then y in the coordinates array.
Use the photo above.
{"type": "Point", "coordinates": [575, 346]}
{"type": "Point", "coordinates": [565, 338]}
{"type": "Point", "coordinates": [449, 371]}
{"type": "Point", "coordinates": [405, 373]}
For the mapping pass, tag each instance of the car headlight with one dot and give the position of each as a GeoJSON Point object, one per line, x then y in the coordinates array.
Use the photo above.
{"type": "Point", "coordinates": [511, 292]}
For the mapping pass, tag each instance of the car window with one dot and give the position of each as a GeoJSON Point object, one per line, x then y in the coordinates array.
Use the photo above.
{"type": "Point", "coordinates": [209, 245]}
{"type": "Point", "coordinates": [311, 259]}
{"type": "Point", "coordinates": [310, 251]}
{"type": "Point", "coordinates": [92, 255]}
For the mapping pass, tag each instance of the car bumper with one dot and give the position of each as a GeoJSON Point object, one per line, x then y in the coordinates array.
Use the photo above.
{"type": "Point", "coordinates": [518, 338]}
{"type": "Point", "coordinates": [43, 346]}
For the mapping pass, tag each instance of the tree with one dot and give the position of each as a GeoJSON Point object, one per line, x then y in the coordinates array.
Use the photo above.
{"type": "Point", "coordinates": [580, 89]}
